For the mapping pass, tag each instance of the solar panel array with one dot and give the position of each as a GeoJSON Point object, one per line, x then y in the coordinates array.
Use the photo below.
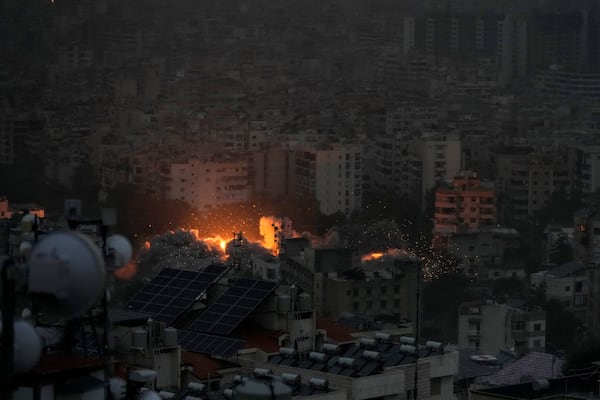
{"type": "Point", "coordinates": [172, 291]}
{"type": "Point", "coordinates": [229, 310]}
{"type": "Point", "coordinates": [209, 344]}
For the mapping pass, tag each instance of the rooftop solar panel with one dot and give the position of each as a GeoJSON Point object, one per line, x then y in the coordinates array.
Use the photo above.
{"type": "Point", "coordinates": [276, 359]}
{"type": "Point", "coordinates": [229, 310]}
{"type": "Point", "coordinates": [393, 360]}
{"type": "Point", "coordinates": [197, 342]}
{"type": "Point", "coordinates": [305, 364]}
{"type": "Point", "coordinates": [172, 291]}
{"type": "Point", "coordinates": [368, 369]}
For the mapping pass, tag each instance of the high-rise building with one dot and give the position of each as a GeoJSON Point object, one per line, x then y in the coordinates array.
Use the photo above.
{"type": "Point", "coordinates": [332, 175]}
{"type": "Point", "coordinates": [441, 160]}
{"type": "Point", "coordinates": [512, 48]}
{"type": "Point", "coordinates": [466, 204]}
{"type": "Point", "coordinates": [585, 166]}
{"type": "Point", "coordinates": [208, 183]}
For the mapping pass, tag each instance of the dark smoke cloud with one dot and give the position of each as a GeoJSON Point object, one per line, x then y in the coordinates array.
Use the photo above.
{"type": "Point", "coordinates": [379, 236]}
{"type": "Point", "coordinates": [178, 249]}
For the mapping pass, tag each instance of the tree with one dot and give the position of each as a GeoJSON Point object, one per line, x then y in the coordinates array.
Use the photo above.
{"type": "Point", "coordinates": [441, 301]}
{"type": "Point", "coordinates": [582, 354]}
{"type": "Point", "coordinates": [505, 288]}
{"type": "Point", "coordinates": [563, 329]}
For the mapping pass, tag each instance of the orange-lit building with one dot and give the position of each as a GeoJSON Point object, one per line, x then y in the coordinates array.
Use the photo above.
{"type": "Point", "coordinates": [465, 205]}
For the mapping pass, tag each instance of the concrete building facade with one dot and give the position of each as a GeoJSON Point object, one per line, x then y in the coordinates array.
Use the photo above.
{"type": "Point", "coordinates": [489, 327]}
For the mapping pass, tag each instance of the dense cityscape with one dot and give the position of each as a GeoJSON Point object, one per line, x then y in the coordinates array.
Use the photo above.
{"type": "Point", "coordinates": [338, 199]}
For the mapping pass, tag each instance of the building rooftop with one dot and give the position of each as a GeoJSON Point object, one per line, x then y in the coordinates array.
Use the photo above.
{"type": "Point", "coordinates": [472, 364]}
{"type": "Point", "coordinates": [204, 366]}
{"type": "Point", "coordinates": [532, 366]}
{"type": "Point", "coordinates": [365, 357]}
{"type": "Point", "coordinates": [566, 269]}
{"type": "Point", "coordinates": [336, 332]}
{"type": "Point", "coordinates": [581, 386]}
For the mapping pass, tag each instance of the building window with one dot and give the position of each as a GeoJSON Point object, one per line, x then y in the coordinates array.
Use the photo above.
{"type": "Point", "coordinates": [355, 307]}
{"type": "Point", "coordinates": [348, 292]}
{"type": "Point", "coordinates": [368, 305]}
{"type": "Point", "coordinates": [436, 386]}
{"type": "Point", "coordinates": [537, 344]}
{"type": "Point", "coordinates": [537, 327]}
{"type": "Point", "coordinates": [383, 289]}
{"type": "Point", "coordinates": [383, 304]}
{"type": "Point", "coordinates": [355, 291]}
{"type": "Point", "coordinates": [567, 288]}
{"type": "Point", "coordinates": [396, 303]}
{"type": "Point", "coordinates": [518, 326]}
{"type": "Point", "coordinates": [578, 287]}
{"type": "Point", "coordinates": [368, 291]}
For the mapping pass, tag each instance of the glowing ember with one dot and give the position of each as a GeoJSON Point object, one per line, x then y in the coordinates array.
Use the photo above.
{"type": "Point", "coordinates": [216, 242]}
{"type": "Point", "coordinates": [372, 256]}
{"type": "Point", "coordinates": [128, 271]}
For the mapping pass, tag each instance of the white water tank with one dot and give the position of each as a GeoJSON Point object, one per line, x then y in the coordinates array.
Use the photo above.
{"type": "Point", "coordinates": [330, 348]}
{"type": "Point", "coordinates": [346, 362]}
{"type": "Point", "coordinates": [139, 339]}
{"type": "Point", "coordinates": [366, 342]}
{"type": "Point", "coordinates": [319, 383]}
{"type": "Point", "coordinates": [262, 388]}
{"type": "Point", "coordinates": [284, 303]}
{"type": "Point", "coordinates": [170, 337]}
{"type": "Point", "coordinates": [305, 302]}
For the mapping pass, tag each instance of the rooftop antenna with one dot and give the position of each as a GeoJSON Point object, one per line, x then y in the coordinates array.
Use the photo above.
{"type": "Point", "coordinates": [64, 276]}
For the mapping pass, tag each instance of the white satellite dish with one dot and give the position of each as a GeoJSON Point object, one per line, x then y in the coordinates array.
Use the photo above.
{"type": "Point", "coordinates": [67, 271]}
{"type": "Point", "coordinates": [118, 388]}
{"type": "Point", "coordinates": [121, 248]}
{"type": "Point", "coordinates": [27, 346]}
{"type": "Point", "coordinates": [149, 395]}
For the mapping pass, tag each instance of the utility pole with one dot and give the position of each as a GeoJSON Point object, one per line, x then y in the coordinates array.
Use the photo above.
{"type": "Point", "coordinates": [417, 323]}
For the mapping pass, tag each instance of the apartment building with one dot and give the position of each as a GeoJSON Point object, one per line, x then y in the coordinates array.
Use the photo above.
{"type": "Point", "coordinates": [568, 283]}
{"type": "Point", "coordinates": [331, 174]}
{"type": "Point", "coordinates": [586, 233]}
{"type": "Point", "coordinates": [526, 182]}
{"type": "Point", "coordinates": [465, 204]}
{"type": "Point", "coordinates": [384, 290]}
{"type": "Point", "coordinates": [273, 170]}
{"type": "Point", "coordinates": [566, 84]}
{"type": "Point", "coordinates": [441, 159]}
{"type": "Point", "coordinates": [489, 327]}
{"type": "Point", "coordinates": [484, 253]}
{"type": "Point", "coordinates": [208, 183]}
{"type": "Point", "coordinates": [585, 166]}
{"type": "Point", "coordinates": [512, 48]}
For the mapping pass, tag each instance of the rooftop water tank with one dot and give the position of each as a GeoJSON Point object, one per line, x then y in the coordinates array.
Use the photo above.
{"type": "Point", "coordinates": [305, 302]}
{"type": "Point", "coordinates": [170, 337]}
{"type": "Point", "coordinates": [284, 303]}
{"type": "Point", "coordinates": [262, 388]}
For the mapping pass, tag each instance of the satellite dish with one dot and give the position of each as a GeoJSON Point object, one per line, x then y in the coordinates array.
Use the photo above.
{"type": "Point", "coordinates": [27, 346]}
{"type": "Point", "coordinates": [122, 249]}
{"type": "Point", "coordinates": [67, 271]}
{"type": "Point", "coordinates": [149, 395]}
{"type": "Point", "coordinates": [118, 388]}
